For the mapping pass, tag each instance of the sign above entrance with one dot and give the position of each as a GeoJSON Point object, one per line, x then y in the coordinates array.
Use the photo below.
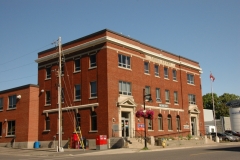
{"type": "Point", "coordinates": [163, 105]}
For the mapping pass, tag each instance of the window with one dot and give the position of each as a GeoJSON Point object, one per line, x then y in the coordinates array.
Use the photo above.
{"type": "Point", "coordinates": [77, 92]}
{"type": "Point", "coordinates": [12, 101]}
{"type": "Point", "coordinates": [78, 121]}
{"type": "Point", "coordinates": [174, 72]}
{"type": "Point", "coordinates": [93, 86]}
{"type": "Point", "coordinates": [147, 91]}
{"type": "Point", "coordinates": [169, 119]}
{"type": "Point", "coordinates": [48, 73]}
{"type": "Point", "coordinates": [124, 61]}
{"type": "Point", "coordinates": [191, 99]}
{"type": "Point", "coordinates": [165, 72]}
{"type": "Point", "coordinates": [77, 65]}
{"type": "Point", "coordinates": [160, 122]}
{"type": "Point", "coordinates": [146, 67]}
{"type": "Point", "coordinates": [175, 97]}
{"type": "Point", "coordinates": [0, 129]}
{"type": "Point", "coordinates": [62, 95]}
{"type": "Point", "coordinates": [47, 123]}
{"type": "Point", "coordinates": [158, 99]}
{"type": "Point", "coordinates": [11, 128]}
{"type": "Point", "coordinates": [156, 70]}
{"type": "Point", "coordinates": [93, 62]}
{"type": "Point", "coordinates": [150, 124]}
{"type": "Point", "coordinates": [93, 121]}
{"type": "Point", "coordinates": [125, 88]}
{"type": "Point", "coordinates": [178, 122]}
{"type": "Point", "coordinates": [167, 99]}
{"type": "Point", "coordinates": [190, 78]}
{"type": "Point", "coordinates": [1, 103]}
{"type": "Point", "coordinates": [62, 69]}
{"type": "Point", "coordinates": [48, 97]}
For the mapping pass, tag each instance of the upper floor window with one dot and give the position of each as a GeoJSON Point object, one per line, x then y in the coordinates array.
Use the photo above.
{"type": "Point", "coordinates": [93, 89]}
{"type": "Point", "coordinates": [11, 128]}
{"type": "Point", "coordinates": [12, 101]}
{"type": "Point", "coordinates": [190, 78]}
{"type": "Point", "coordinates": [93, 62]}
{"type": "Point", "coordinates": [165, 72]}
{"type": "Point", "coordinates": [77, 92]}
{"type": "Point", "coordinates": [175, 97]}
{"type": "Point", "coordinates": [1, 103]}
{"type": "Point", "coordinates": [124, 61]}
{"type": "Point", "coordinates": [160, 122]}
{"type": "Point", "coordinates": [62, 69]}
{"type": "Point", "coordinates": [174, 74]}
{"type": "Point", "coordinates": [77, 66]}
{"type": "Point", "coordinates": [48, 97]}
{"type": "Point", "coordinates": [191, 99]}
{"type": "Point", "coordinates": [147, 92]}
{"type": "Point", "coordinates": [158, 99]}
{"type": "Point", "coordinates": [146, 67]}
{"type": "Point", "coordinates": [156, 70]}
{"type": "Point", "coordinates": [167, 96]}
{"type": "Point", "coordinates": [125, 88]}
{"type": "Point", "coordinates": [48, 73]}
{"type": "Point", "coordinates": [62, 95]}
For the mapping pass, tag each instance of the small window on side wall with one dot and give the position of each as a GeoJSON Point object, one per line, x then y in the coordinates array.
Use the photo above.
{"type": "Point", "coordinates": [77, 65]}
{"type": "Point", "coordinates": [93, 61]}
{"type": "Point", "coordinates": [12, 101]}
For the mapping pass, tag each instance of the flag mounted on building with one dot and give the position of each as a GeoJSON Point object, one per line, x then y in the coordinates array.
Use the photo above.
{"type": "Point", "coordinates": [212, 77]}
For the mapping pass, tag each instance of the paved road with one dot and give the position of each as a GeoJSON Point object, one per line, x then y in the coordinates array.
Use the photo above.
{"type": "Point", "coordinates": [229, 151]}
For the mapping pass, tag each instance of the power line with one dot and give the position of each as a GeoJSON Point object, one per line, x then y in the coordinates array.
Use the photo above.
{"type": "Point", "coordinates": [18, 78]}
{"type": "Point", "coordinates": [17, 67]}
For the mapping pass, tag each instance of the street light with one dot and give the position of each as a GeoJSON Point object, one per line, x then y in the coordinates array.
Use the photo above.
{"type": "Point", "coordinates": [149, 100]}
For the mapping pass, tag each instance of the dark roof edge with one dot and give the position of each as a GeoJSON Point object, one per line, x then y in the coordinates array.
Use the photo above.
{"type": "Point", "coordinates": [104, 30]}
{"type": "Point", "coordinates": [18, 88]}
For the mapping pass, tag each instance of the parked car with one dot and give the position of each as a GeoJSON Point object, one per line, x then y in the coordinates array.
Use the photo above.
{"type": "Point", "coordinates": [233, 133]}
{"type": "Point", "coordinates": [236, 137]}
{"type": "Point", "coordinates": [223, 137]}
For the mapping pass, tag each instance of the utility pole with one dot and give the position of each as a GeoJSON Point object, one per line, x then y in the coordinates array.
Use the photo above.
{"type": "Point", "coordinates": [60, 149]}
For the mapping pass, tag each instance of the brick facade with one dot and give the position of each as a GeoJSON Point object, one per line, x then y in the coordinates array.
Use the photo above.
{"type": "Point", "coordinates": [111, 107]}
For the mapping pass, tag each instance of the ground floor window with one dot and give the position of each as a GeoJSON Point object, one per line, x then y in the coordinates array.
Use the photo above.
{"type": "Point", "coordinates": [47, 123]}
{"type": "Point", "coordinates": [93, 121]}
{"type": "Point", "coordinates": [78, 121]}
{"type": "Point", "coordinates": [169, 119]}
{"type": "Point", "coordinates": [11, 128]}
{"type": "Point", "coordinates": [178, 123]}
{"type": "Point", "coordinates": [150, 124]}
{"type": "Point", "coordinates": [0, 129]}
{"type": "Point", "coordinates": [160, 122]}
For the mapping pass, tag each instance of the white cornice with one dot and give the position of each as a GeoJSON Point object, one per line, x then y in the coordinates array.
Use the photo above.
{"type": "Point", "coordinates": [119, 42]}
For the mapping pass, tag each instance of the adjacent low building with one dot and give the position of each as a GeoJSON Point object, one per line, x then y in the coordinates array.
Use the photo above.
{"type": "Point", "coordinates": [19, 116]}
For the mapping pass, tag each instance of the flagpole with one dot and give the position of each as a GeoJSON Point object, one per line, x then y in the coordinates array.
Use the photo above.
{"type": "Point", "coordinates": [214, 114]}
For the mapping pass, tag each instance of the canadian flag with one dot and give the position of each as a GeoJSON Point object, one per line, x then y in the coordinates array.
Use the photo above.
{"type": "Point", "coordinates": [211, 77]}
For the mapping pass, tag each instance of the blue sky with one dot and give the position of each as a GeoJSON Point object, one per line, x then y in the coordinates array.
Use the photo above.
{"type": "Point", "coordinates": [206, 31]}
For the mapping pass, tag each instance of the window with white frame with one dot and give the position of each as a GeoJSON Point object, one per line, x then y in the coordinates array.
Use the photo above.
{"type": "Point", "coordinates": [175, 97]}
{"type": "Point", "coordinates": [125, 88]}
{"type": "Point", "coordinates": [167, 96]}
{"type": "Point", "coordinates": [146, 67]}
{"type": "Point", "coordinates": [48, 97]}
{"type": "Point", "coordinates": [124, 61]}
{"type": "Point", "coordinates": [0, 129]}
{"type": "Point", "coordinates": [150, 124]}
{"type": "Point", "coordinates": [190, 78]}
{"type": "Point", "coordinates": [158, 99]}
{"type": "Point", "coordinates": [165, 72]}
{"type": "Point", "coordinates": [156, 70]}
{"type": "Point", "coordinates": [191, 99]}
{"type": "Point", "coordinates": [178, 123]}
{"type": "Point", "coordinates": [1, 103]}
{"type": "Point", "coordinates": [11, 128]}
{"type": "Point", "coordinates": [160, 122]}
{"type": "Point", "coordinates": [77, 65]}
{"type": "Point", "coordinates": [12, 100]}
{"type": "Point", "coordinates": [169, 120]}
{"type": "Point", "coordinates": [47, 123]}
{"type": "Point", "coordinates": [93, 89]}
{"type": "Point", "coordinates": [147, 92]}
{"type": "Point", "coordinates": [174, 74]}
{"type": "Point", "coordinates": [93, 121]}
{"type": "Point", "coordinates": [78, 121]}
{"type": "Point", "coordinates": [93, 61]}
{"type": "Point", "coordinates": [77, 92]}
{"type": "Point", "coordinates": [48, 72]}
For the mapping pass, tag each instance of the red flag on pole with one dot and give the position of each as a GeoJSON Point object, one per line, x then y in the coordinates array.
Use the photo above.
{"type": "Point", "coordinates": [211, 77]}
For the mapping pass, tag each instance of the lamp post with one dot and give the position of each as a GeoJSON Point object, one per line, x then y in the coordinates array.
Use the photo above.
{"type": "Point", "coordinates": [145, 131]}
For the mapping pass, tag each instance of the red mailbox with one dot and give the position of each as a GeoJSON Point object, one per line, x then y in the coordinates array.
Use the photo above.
{"type": "Point", "coordinates": [101, 142]}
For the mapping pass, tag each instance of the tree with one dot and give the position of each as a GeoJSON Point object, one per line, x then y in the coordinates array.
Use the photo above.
{"type": "Point", "coordinates": [219, 102]}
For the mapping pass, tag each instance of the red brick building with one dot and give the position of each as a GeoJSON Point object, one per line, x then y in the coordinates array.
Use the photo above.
{"type": "Point", "coordinates": [19, 116]}
{"type": "Point", "coordinates": [103, 77]}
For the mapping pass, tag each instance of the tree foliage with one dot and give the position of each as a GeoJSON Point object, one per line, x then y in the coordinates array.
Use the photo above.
{"type": "Point", "coordinates": [219, 102]}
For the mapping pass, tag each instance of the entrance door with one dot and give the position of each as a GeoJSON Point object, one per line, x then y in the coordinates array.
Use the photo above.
{"type": "Point", "coordinates": [125, 127]}
{"type": "Point", "coordinates": [194, 126]}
